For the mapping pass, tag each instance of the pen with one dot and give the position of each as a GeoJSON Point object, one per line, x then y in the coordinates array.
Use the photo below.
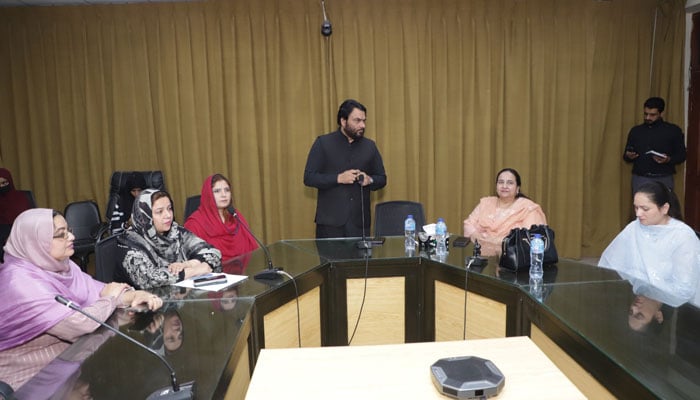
{"type": "Point", "coordinates": [208, 283]}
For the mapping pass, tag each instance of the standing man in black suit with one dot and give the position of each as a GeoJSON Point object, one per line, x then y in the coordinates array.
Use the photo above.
{"type": "Point", "coordinates": [654, 147]}
{"type": "Point", "coordinates": [340, 165]}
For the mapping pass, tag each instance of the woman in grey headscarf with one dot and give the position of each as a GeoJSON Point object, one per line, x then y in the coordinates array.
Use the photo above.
{"type": "Point", "coordinates": [158, 251]}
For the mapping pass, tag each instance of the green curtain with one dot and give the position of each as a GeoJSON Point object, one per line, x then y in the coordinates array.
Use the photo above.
{"type": "Point", "coordinates": [455, 90]}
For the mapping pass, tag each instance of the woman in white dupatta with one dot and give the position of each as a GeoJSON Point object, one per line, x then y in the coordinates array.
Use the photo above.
{"type": "Point", "coordinates": [657, 247]}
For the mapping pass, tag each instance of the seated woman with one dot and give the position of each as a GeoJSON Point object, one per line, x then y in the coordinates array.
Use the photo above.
{"type": "Point", "coordinates": [12, 203]}
{"type": "Point", "coordinates": [36, 328]}
{"type": "Point", "coordinates": [657, 247]}
{"type": "Point", "coordinates": [213, 222]}
{"type": "Point", "coordinates": [495, 216]}
{"type": "Point", "coordinates": [158, 251]}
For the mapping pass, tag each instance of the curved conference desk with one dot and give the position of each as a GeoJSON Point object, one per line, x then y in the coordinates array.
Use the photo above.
{"type": "Point", "coordinates": [579, 318]}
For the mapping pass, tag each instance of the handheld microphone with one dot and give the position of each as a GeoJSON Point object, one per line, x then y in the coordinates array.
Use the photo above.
{"type": "Point", "coordinates": [364, 243]}
{"type": "Point", "coordinates": [176, 392]}
{"type": "Point", "coordinates": [272, 272]}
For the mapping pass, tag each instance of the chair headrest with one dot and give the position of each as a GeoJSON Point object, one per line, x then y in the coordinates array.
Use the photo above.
{"type": "Point", "coordinates": [122, 180]}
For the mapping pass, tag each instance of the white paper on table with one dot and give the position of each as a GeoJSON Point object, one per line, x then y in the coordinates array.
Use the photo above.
{"type": "Point", "coordinates": [230, 281]}
{"type": "Point", "coordinates": [429, 229]}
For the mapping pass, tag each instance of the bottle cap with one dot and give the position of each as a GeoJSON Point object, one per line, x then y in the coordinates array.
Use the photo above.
{"type": "Point", "coordinates": [441, 220]}
{"type": "Point", "coordinates": [410, 216]}
{"type": "Point", "coordinates": [537, 235]}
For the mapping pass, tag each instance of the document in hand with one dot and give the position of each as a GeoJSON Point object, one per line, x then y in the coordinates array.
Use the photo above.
{"type": "Point", "coordinates": [655, 153]}
{"type": "Point", "coordinates": [212, 282]}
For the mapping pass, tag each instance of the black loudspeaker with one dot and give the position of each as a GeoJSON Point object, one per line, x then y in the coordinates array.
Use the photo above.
{"type": "Point", "coordinates": [467, 377]}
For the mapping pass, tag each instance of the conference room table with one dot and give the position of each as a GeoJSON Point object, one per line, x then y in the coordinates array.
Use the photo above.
{"type": "Point", "coordinates": [341, 295]}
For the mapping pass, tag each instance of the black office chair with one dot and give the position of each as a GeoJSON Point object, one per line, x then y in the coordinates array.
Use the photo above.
{"type": "Point", "coordinates": [191, 205]}
{"type": "Point", "coordinates": [84, 218]}
{"type": "Point", "coordinates": [390, 216]}
{"type": "Point", "coordinates": [6, 391]}
{"type": "Point", "coordinates": [118, 182]}
{"type": "Point", "coordinates": [108, 256]}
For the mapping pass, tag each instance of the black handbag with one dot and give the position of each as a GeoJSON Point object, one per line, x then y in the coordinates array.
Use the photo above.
{"type": "Point", "coordinates": [515, 248]}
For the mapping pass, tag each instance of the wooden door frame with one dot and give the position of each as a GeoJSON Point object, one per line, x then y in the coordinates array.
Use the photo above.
{"type": "Point", "coordinates": [692, 170]}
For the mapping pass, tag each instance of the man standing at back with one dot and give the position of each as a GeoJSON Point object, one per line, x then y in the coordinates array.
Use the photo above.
{"type": "Point", "coordinates": [654, 147]}
{"type": "Point", "coordinates": [342, 165]}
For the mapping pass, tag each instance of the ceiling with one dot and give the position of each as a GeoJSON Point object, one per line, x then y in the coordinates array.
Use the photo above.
{"type": "Point", "coordinates": [15, 3]}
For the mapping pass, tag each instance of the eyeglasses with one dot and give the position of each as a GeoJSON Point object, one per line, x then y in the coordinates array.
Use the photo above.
{"type": "Point", "coordinates": [63, 234]}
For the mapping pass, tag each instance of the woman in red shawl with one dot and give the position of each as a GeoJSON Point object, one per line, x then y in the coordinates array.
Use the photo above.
{"type": "Point", "coordinates": [215, 224]}
{"type": "Point", "coordinates": [12, 201]}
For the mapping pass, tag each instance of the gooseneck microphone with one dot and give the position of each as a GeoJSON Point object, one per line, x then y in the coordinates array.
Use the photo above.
{"type": "Point", "coordinates": [476, 259]}
{"type": "Point", "coordinates": [272, 272]}
{"type": "Point", "coordinates": [176, 392]}
{"type": "Point", "coordinates": [363, 243]}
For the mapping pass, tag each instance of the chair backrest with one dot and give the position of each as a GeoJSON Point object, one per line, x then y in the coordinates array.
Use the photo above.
{"type": "Point", "coordinates": [108, 256]}
{"type": "Point", "coordinates": [390, 216]}
{"type": "Point", "coordinates": [191, 205]}
{"type": "Point", "coordinates": [154, 179]}
{"type": "Point", "coordinates": [118, 182]}
{"type": "Point", "coordinates": [84, 218]}
{"type": "Point", "coordinates": [30, 197]}
{"type": "Point", "coordinates": [6, 391]}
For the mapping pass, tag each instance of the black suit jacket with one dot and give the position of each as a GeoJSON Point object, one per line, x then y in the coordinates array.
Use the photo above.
{"type": "Point", "coordinates": [330, 155]}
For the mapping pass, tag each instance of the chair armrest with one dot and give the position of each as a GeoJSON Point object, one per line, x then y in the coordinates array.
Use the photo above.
{"type": "Point", "coordinates": [99, 230]}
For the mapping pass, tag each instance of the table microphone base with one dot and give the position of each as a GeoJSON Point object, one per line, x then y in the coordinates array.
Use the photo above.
{"type": "Point", "coordinates": [186, 392]}
{"type": "Point", "coordinates": [269, 274]}
{"type": "Point", "coordinates": [364, 244]}
{"type": "Point", "coordinates": [477, 261]}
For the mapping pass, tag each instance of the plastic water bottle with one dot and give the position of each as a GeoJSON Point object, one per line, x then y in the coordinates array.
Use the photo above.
{"type": "Point", "coordinates": [440, 237]}
{"type": "Point", "coordinates": [409, 230]}
{"type": "Point", "coordinates": [536, 256]}
{"type": "Point", "coordinates": [537, 289]}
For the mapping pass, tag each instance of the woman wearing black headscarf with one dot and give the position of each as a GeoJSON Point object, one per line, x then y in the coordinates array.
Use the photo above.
{"type": "Point", "coordinates": [158, 251]}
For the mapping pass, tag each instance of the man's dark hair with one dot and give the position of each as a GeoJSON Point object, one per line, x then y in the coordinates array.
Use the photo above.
{"type": "Point", "coordinates": [346, 108]}
{"type": "Point", "coordinates": [655, 102]}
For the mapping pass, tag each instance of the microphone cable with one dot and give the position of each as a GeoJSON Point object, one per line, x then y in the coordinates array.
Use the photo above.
{"type": "Point", "coordinates": [466, 276]}
{"type": "Point", "coordinates": [362, 304]}
{"type": "Point", "coordinates": [363, 243]}
{"type": "Point", "coordinates": [296, 293]}
{"type": "Point", "coordinates": [366, 255]}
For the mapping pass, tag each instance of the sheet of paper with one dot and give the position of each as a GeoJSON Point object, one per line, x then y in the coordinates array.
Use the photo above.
{"type": "Point", "coordinates": [230, 281]}
{"type": "Point", "coordinates": [656, 153]}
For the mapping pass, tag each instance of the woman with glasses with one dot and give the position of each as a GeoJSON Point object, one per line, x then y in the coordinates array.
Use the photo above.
{"type": "Point", "coordinates": [214, 222]}
{"type": "Point", "coordinates": [157, 250]}
{"type": "Point", "coordinates": [495, 216]}
{"type": "Point", "coordinates": [37, 267]}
